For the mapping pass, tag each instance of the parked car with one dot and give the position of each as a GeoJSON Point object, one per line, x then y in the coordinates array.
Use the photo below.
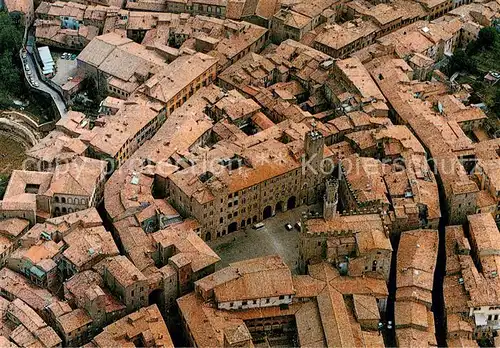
{"type": "Point", "coordinates": [288, 227]}
{"type": "Point", "coordinates": [23, 54]}
{"type": "Point", "coordinates": [389, 325]}
{"type": "Point", "coordinates": [73, 56]}
{"type": "Point", "coordinates": [26, 66]}
{"type": "Point", "coordinates": [298, 225]}
{"type": "Point", "coordinates": [28, 73]}
{"type": "Point", "coordinates": [64, 55]}
{"type": "Point", "coordinates": [36, 84]}
{"type": "Point", "coordinates": [258, 226]}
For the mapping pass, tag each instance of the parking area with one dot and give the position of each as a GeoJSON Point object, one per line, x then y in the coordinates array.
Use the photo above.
{"type": "Point", "coordinates": [65, 69]}
{"type": "Point", "coordinates": [272, 239]}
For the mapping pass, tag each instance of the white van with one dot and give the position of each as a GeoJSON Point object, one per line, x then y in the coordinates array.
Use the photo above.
{"type": "Point", "coordinates": [258, 226]}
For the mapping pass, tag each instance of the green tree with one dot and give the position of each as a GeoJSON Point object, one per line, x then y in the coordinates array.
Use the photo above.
{"type": "Point", "coordinates": [11, 36]}
{"type": "Point", "coordinates": [461, 61]}
{"type": "Point", "coordinates": [9, 75]}
{"type": "Point", "coordinates": [495, 103]}
{"type": "Point", "coordinates": [487, 38]}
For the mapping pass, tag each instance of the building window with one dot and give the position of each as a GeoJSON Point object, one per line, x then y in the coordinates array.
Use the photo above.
{"type": "Point", "coordinates": [282, 297]}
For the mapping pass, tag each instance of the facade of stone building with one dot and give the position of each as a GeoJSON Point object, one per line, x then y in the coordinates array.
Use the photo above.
{"type": "Point", "coordinates": [225, 210]}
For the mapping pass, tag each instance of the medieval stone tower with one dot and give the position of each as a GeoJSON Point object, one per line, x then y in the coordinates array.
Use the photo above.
{"type": "Point", "coordinates": [312, 170]}
{"type": "Point", "coordinates": [313, 147]}
{"type": "Point", "coordinates": [330, 199]}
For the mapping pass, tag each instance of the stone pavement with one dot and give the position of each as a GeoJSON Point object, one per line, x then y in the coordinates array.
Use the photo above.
{"type": "Point", "coordinates": [272, 239]}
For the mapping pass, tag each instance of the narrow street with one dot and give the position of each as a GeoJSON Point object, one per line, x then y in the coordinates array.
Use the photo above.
{"type": "Point", "coordinates": [389, 336]}
{"type": "Point", "coordinates": [440, 272]}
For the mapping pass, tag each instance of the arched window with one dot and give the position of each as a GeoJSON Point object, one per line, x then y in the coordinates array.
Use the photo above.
{"type": "Point", "coordinates": [63, 200]}
{"type": "Point", "coordinates": [70, 200]}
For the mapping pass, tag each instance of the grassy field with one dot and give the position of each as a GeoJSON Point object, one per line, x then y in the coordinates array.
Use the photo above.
{"type": "Point", "coordinates": [12, 154]}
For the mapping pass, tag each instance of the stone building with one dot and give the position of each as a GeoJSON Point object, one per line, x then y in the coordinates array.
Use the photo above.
{"type": "Point", "coordinates": [73, 186]}
{"type": "Point", "coordinates": [184, 258]}
{"type": "Point", "coordinates": [126, 281]}
{"type": "Point", "coordinates": [144, 328]}
{"type": "Point", "coordinates": [356, 244]}
{"type": "Point", "coordinates": [250, 185]}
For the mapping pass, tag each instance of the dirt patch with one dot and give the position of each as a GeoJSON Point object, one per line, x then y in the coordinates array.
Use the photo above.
{"type": "Point", "coordinates": [12, 153]}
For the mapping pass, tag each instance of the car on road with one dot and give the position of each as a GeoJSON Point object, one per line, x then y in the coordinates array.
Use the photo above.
{"type": "Point", "coordinates": [298, 225]}
{"type": "Point", "coordinates": [258, 226]}
{"type": "Point", "coordinates": [288, 227]}
{"type": "Point", "coordinates": [389, 325]}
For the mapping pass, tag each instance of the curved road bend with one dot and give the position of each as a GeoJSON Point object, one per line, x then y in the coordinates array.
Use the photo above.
{"type": "Point", "coordinates": [42, 86]}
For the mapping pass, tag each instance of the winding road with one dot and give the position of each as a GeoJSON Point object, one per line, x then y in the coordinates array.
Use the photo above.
{"type": "Point", "coordinates": [42, 86]}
